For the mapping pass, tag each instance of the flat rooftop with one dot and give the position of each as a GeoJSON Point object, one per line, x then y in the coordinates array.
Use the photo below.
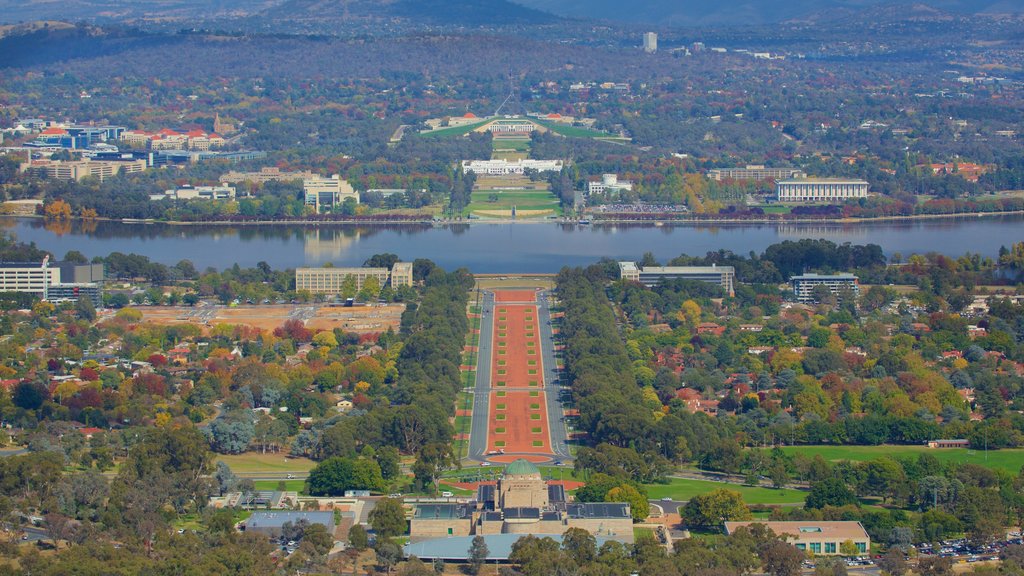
{"type": "Point", "coordinates": [836, 530]}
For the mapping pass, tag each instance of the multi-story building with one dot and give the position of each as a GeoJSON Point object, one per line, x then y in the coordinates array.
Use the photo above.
{"type": "Point", "coordinates": [167, 139]}
{"type": "Point", "coordinates": [332, 280]}
{"type": "Point", "coordinates": [804, 285]}
{"type": "Point", "coordinates": [505, 167]}
{"type": "Point", "coordinates": [32, 277]}
{"type": "Point", "coordinates": [650, 42]}
{"type": "Point", "coordinates": [817, 538]}
{"type": "Point", "coordinates": [78, 169]}
{"type": "Point", "coordinates": [327, 192]}
{"type": "Point", "coordinates": [61, 281]}
{"type": "Point", "coordinates": [755, 172]}
{"type": "Point", "coordinates": [609, 183]}
{"type": "Point", "coordinates": [820, 190]}
{"type": "Point", "coordinates": [724, 276]}
{"type": "Point", "coordinates": [74, 136]}
{"type": "Point", "coordinates": [268, 174]}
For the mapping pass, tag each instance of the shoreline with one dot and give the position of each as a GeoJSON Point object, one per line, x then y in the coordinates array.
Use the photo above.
{"type": "Point", "coordinates": [689, 222]}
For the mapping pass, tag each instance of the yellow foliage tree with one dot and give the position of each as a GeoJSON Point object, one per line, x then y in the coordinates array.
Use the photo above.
{"type": "Point", "coordinates": [57, 210]}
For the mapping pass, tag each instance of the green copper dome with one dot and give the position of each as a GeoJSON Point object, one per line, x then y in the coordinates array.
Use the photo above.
{"type": "Point", "coordinates": [521, 468]}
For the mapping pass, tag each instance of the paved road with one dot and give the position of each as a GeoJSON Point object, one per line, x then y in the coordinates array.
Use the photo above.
{"type": "Point", "coordinates": [481, 414]}
{"type": "Point", "coordinates": [552, 382]}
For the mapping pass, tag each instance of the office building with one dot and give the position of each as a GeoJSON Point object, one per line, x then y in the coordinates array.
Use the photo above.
{"type": "Point", "coordinates": [32, 277]}
{"type": "Point", "coordinates": [505, 167]}
{"type": "Point", "coordinates": [74, 292]}
{"type": "Point", "coordinates": [196, 193]}
{"type": "Point", "coordinates": [817, 538]}
{"type": "Point", "coordinates": [724, 276]}
{"type": "Point", "coordinates": [755, 172]}
{"type": "Point", "coordinates": [332, 280]}
{"type": "Point", "coordinates": [327, 192]}
{"type": "Point", "coordinates": [74, 136]}
{"type": "Point", "coordinates": [269, 174]}
{"type": "Point", "coordinates": [79, 169]}
{"type": "Point", "coordinates": [511, 128]}
{"type": "Point", "coordinates": [520, 503]}
{"type": "Point", "coordinates": [609, 183]}
{"type": "Point", "coordinates": [804, 285]}
{"type": "Point", "coordinates": [650, 42]}
{"type": "Point", "coordinates": [820, 190]}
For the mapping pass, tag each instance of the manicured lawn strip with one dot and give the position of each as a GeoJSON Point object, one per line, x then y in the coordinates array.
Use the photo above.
{"type": "Point", "coordinates": [1009, 459]}
{"type": "Point", "coordinates": [289, 485]}
{"type": "Point", "coordinates": [684, 489]}
{"type": "Point", "coordinates": [453, 131]}
{"type": "Point", "coordinates": [252, 462]}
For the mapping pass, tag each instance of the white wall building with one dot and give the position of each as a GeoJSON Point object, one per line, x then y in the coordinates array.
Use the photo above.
{"type": "Point", "coordinates": [609, 183]}
{"type": "Point", "coordinates": [650, 42]}
{"type": "Point", "coordinates": [333, 191]}
{"type": "Point", "coordinates": [504, 167]}
{"type": "Point", "coordinates": [196, 193]}
{"type": "Point", "coordinates": [820, 190]}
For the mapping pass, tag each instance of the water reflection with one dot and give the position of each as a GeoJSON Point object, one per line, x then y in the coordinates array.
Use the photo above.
{"type": "Point", "coordinates": [539, 247]}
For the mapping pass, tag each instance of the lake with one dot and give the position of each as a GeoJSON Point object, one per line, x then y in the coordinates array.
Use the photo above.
{"type": "Point", "coordinates": [494, 248]}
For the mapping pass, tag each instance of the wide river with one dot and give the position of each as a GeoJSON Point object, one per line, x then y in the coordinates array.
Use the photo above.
{"type": "Point", "coordinates": [495, 248]}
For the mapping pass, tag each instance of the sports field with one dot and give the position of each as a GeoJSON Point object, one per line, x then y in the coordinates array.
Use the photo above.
{"type": "Point", "coordinates": [1011, 460]}
{"type": "Point", "coordinates": [517, 404]}
{"type": "Point", "coordinates": [682, 489]}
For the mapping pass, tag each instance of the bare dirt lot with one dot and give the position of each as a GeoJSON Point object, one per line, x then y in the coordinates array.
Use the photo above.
{"type": "Point", "coordinates": [359, 319]}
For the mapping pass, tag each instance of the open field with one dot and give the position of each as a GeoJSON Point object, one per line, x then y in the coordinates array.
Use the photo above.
{"type": "Point", "coordinates": [253, 463]}
{"type": "Point", "coordinates": [684, 488]}
{"type": "Point", "coordinates": [361, 319]}
{"type": "Point", "coordinates": [509, 182]}
{"type": "Point", "coordinates": [1011, 460]}
{"type": "Point", "coordinates": [525, 201]}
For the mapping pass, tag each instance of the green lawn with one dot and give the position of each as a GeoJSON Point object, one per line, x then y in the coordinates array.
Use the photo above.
{"type": "Point", "coordinates": [645, 532]}
{"type": "Point", "coordinates": [517, 145]}
{"type": "Point", "coordinates": [684, 489]}
{"type": "Point", "coordinates": [506, 199]}
{"type": "Point", "coordinates": [777, 209]}
{"type": "Point", "coordinates": [573, 131]}
{"type": "Point", "coordinates": [289, 485]}
{"type": "Point", "coordinates": [454, 131]}
{"type": "Point", "coordinates": [254, 463]}
{"type": "Point", "coordinates": [1011, 460]}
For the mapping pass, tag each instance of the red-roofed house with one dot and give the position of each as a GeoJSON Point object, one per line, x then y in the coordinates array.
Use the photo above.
{"type": "Point", "coordinates": [710, 328]}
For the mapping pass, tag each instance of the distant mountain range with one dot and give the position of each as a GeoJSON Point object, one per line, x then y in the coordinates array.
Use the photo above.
{"type": "Point", "coordinates": [751, 12]}
{"type": "Point", "coordinates": [436, 12]}
{"type": "Point", "coordinates": [496, 12]}
{"type": "Point", "coordinates": [450, 12]}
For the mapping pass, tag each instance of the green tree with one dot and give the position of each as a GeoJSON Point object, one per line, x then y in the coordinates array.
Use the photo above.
{"type": "Point", "coordinates": [388, 518]}
{"type": "Point", "coordinates": [580, 545]}
{"type": "Point", "coordinates": [830, 492]}
{"type": "Point", "coordinates": [334, 476]}
{"type": "Point", "coordinates": [357, 537]}
{"type": "Point", "coordinates": [478, 552]}
{"type": "Point", "coordinates": [710, 510]}
{"type": "Point", "coordinates": [639, 507]}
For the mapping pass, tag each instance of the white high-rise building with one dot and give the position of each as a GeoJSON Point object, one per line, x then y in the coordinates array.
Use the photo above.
{"type": "Point", "coordinates": [650, 42]}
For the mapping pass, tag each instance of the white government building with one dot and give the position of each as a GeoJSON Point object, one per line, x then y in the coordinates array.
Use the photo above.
{"type": "Point", "coordinates": [820, 189]}
{"type": "Point", "coordinates": [504, 167]}
{"type": "Point", "coordinates": [333, 191]}
{"type": "Point", "coordinates": [609, 183]}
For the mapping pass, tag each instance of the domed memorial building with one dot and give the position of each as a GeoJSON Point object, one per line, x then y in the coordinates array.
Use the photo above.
{"type": "Point", "coordinates": [521, 503]}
